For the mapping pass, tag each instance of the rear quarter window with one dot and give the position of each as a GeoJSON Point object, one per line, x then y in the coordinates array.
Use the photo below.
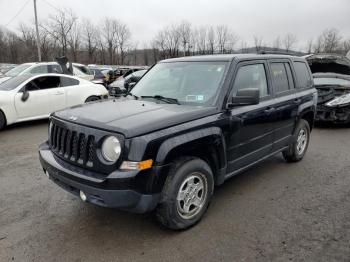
{"type": "Point", "coordinates": [67, 81]}
{"type": "Point", "coordinates": [303, 75]}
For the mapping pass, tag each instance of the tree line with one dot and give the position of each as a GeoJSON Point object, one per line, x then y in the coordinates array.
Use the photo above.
{"type": "Point", "coordinates": [110, 41]}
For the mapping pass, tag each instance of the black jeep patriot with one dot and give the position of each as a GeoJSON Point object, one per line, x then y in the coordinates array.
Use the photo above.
{"type": "Point", "coordinates": [189, 124]}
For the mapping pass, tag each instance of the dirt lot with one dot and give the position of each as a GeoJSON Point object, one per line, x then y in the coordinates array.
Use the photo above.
{"type": "Point", "coordinates": [274, 212]}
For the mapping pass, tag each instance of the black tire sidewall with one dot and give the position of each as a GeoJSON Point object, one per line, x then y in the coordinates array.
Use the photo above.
{"type": "Point", "coordinates": [302, 125]}
{"type": "Point", "coordinates": [180, 174]}
{"type": "Point", "coordinates": [2, 120]}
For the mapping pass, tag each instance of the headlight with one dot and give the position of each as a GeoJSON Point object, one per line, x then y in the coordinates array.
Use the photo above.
{"type": "Point", "coordinates": [111, 149]}
{"type": "Point", "coordinates": [338, 101]}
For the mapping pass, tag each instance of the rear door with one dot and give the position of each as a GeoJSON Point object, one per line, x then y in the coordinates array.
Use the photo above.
{"type": "Point", "coordinates": [45, 96]}
{"type": "Point", "coordinates": [286, 103]}
{"type": "Point", "coordinates": [252, 126]}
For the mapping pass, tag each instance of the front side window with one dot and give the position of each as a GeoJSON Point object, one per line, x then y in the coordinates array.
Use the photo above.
{"type": "Point", "coordinates": [45, 82]}
{"type": "Point", "coordinates": [194, 83]}
{"type": "Point", "coordinates": [279, 77]}
{"type": "Point", "coordinates": [252, 76]}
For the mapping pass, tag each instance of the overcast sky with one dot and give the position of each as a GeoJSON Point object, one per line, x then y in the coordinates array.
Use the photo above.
{"type": "Point", "coordinates": [265, 18]}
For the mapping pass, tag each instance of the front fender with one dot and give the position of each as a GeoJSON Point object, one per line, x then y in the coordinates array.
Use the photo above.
{"type": "Point", "coordinates": [214, 134]}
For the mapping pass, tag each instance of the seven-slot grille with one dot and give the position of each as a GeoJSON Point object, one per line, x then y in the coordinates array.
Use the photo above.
{"type": "Point", "coordinates": [74, 146]}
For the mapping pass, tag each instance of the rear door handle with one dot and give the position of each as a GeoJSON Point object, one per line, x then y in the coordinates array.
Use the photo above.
{"type": "Point", "coordinates": [269, 110]}
{"type": "Point", "coordinates": [297, 101]}
{"type": "Point", "coordinates": [59, 93]}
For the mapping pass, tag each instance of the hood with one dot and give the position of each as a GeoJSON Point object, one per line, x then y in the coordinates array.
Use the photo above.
{"type": "Point", "coordinates": [329, 63]}
{"type": "Point", "coordinates": [133, 117]}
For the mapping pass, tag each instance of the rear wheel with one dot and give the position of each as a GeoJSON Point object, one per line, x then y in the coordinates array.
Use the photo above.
{"type": "Point", "coordinates": [186, 193]}
{"type": "Point", "coordinates": [92, 98]}
{"type": "Point", "coordinates": [2, 120]}
{"type": "Point", "coordinates": [301, 138]}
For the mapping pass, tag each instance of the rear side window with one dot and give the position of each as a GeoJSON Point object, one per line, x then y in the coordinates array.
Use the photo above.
{"type": "Point", "coordinates": [280, 78]}
{"type": "Point", "coordinates": [252, 76]}
{"type": "Point", "coordinates": [41, 69]}
{"type": "Point", "coordinates": [303, 75]}
{"type": "Point", "coordinates": [55, 69]}
{"type": "Point", "coordinates": [67, 81]}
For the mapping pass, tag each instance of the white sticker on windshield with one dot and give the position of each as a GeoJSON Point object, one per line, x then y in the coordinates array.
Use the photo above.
{"type": "Point", "coordinates": [200, 98]}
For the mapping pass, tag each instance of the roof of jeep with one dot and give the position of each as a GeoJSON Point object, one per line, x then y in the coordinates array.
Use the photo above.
{"type": "Point", "coordinates": [227, 57]}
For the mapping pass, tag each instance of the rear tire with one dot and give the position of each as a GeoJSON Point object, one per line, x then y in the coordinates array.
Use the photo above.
{"type": "Point", "coordinates": [186, 193]}
{"type": "Point", "coordinates": [301, 139]}
{"type": "Point", "coordinates": [91, 99]}
{"type": "Point", "coordinates": [2, 120]}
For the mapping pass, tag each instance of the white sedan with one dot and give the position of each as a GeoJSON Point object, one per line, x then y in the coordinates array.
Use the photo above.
{"type": "Point", "coordinates": [28, 97]}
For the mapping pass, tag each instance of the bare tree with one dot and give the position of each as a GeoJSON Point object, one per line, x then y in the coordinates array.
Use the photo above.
{"type": "Point", "coordinates": [331, 40]}
{"type": "Point", "coordinates": [258, 43]}
{"type": "Point", "coordinates": [90, 36]}
{"type": "Point", "coordinates": [185, 32]}
{"type": "Point", "coordinates": [59, 27]}
{"type": "Point", "coordinates": [74, 40]}
{"type": "Point", "coordinates": [211, 40]}
{"type": "Point", "coordinates": [289, 41]}
{"type": "Point", "coordinates": [122, 38]}
{"type": "Point", "coordinates": [276, 43]}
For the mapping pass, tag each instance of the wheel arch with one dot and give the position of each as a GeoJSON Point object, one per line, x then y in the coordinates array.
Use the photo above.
{"type": "Point", "coordinates": [207, 144]}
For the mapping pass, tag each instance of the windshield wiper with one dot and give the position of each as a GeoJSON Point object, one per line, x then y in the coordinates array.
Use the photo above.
{"type": "Point", "coordinates": [168, 100]}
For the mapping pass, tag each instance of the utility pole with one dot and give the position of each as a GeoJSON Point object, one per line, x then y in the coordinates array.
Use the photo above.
{"type": "Point", "coordinates": [37, 32]}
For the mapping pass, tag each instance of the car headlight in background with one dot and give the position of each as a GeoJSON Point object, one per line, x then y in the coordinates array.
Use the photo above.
{"type": "Point", "coordinates": [339, 101]}
{"type": "Point", "coordinates": [111, 149]}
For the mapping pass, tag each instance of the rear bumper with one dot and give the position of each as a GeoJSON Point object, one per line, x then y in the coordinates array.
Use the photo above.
{"type": "Point", "coordinates": [335, 115]}
{"type": "Point", "coordinates": [98, 191]}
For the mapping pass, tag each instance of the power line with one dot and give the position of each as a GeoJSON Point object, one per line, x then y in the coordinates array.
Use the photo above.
{"type": "Point", "coordinates": [18, 13]}
{"type": "Point", "coordinates": [54, 7]}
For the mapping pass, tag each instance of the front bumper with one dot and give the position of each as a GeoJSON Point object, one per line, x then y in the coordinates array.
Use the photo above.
{"type": "Point", "coordinates": [100, 190]}
{"type": "Point", "coordinates": [333, 114]}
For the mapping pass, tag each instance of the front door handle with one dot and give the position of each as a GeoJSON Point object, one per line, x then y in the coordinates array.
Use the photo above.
{"type": "Point", "coordinates": [59, 93]}
{"type": "Point", "coordinates": [297, 101]}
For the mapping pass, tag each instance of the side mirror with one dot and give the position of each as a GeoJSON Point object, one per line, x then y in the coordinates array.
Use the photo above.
{"type": "Point", "coordinates": [25, 95]}
{"type": "Point", "coordinates": [245, 97]}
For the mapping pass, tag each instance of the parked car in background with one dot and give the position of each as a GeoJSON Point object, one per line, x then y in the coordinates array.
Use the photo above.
{"type": "Point", "coordinates": [189, 124]}
{"type": "Point", "coordinates": [123, 84]}
{"type": "Point", "coordinates": [28, 97]}
{"type": "Point", "coordinates": [79, 70]}
{"type": "Point", "coordinates": [331, 75]}
{"type": "Point", "coordinates": [100, 76]}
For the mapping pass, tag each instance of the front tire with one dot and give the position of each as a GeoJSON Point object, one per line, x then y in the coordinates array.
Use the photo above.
{"type": "Point", "coordinates": [186, 193]}
{"type": "Point", "coordinates": [2, 120]}
{"type": "Point", "coordinates": [300, 143]}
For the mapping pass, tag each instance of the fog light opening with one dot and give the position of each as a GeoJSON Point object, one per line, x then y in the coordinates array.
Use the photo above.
{"type": "Point", "coordinates": [82, 196]}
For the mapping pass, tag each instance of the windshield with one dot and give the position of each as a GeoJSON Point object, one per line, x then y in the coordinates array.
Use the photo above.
{"type": "Point", "coordinates": [331, 81]}
{"type": "Point", "coordinates": [17, 70]}
{"type": "Point", "coordinates": [14, 82]}
{"type": "Point", "coordinates": [194, 83]}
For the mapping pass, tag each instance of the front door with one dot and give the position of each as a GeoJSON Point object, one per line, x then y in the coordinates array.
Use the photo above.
{"type": "Point", "coordinates": [252, 126]}
{"type": "Point", "coordinates": [45, 96]}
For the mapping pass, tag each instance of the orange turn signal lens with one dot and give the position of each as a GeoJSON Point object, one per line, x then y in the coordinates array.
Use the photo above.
{"type": "Point", "coordinates": [129, 165]}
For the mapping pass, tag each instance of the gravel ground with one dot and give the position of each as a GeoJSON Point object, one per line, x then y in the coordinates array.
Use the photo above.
{"type": "Point", "coordinates": [274, 212]}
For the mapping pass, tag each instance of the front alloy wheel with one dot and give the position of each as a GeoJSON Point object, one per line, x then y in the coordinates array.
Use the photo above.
{"type": "Point", "coordinates": [192, 195]}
